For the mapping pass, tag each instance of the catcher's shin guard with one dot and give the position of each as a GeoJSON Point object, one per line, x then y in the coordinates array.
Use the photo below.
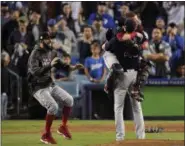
{"type": "Point", "coordinates": [111, 81]}
{"type": "Point", "coordinates": [142, 76]}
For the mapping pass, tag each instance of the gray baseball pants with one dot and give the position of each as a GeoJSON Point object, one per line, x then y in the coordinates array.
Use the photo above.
{"type": "Point", "coordinates": [4, 103]}
{"type": "Point", "coordinates": [48, 98]}
{"type": "Point", "coordinates": [125, 81]}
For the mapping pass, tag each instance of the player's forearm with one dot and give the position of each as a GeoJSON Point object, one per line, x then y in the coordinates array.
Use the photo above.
{"type": "Point", "coordinates": [157, 57]}
{"type": "Point", "coordinates": [103, 76]}
{"type": "Point", "coordinates": [87, 74]}
{"type": "Point", "coordinates": [40, 71]}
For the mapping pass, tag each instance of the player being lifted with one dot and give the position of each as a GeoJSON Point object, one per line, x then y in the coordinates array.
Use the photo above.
{"type": "Point", "coordinates": [42, 59]}
{"type": "Point", "coordinates": [141, 38]}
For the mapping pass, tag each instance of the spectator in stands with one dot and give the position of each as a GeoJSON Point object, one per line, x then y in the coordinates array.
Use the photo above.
{"type": "Point", "coordinates": [21, 43]}
{"type": "Point", "coordinates": [19, 6]}
{"type": "Point", "coordinates": [5, 60]}
{"type": "Point", "coordinates": [84, 45]}
{"type": "Point", "coordinates": [159, 53]}
{"type": "Point", "coordinates": [160, 23]}
{"type": "Point", "coordinates": [99, 31]}
{"type": "Point", "coordinates": [110, 6]}
{"type": "Point", "coordinates": [108, 21]}
{"type": "Point", "coordinates": [65, 74]}
{"type": "Point", "coordinates": [34, 24]}
{"type": "Point", "coordinates": [181, 66]}
{"type": "Point", "coordinates": [60, 41]}
{"type": "Point", "coordinates": [95, 69]}
{"type": "Point", "coordinates": [124, 10]}
{"type": "Point", "coordinates": [62, 25]}
{"type": "Point", "coordinates": [5, 14]}
{"type": "Point", "coordinates": [9, 27]}
{"type": "Point", "coordinates": [148, 11]}
{"type": "Point", "coordinates": [175, 11]}
{"type": "Point", "coordinates": [21, 38]}
{"type": "Point", "coordinates": [176, 42]}
{"type": "Point", "coordinates": [81, 17]}
{"type": "Point", "coordinates": [67, 12]}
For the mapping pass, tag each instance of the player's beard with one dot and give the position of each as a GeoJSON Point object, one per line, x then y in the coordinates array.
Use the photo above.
{"type": "Point", "coordinates": [47, 45]}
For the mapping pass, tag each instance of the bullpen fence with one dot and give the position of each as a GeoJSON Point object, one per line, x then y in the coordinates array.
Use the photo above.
{"type": "Point", "coordinates": [163, 97]}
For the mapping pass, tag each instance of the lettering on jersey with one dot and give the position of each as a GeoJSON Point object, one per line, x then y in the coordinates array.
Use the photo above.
{"type": "Point", "coordinates": [46, 60]}
{"type": "Point", "coordinates": [126, 54]}
{"type": "Point", "coordinates": [96, 66]}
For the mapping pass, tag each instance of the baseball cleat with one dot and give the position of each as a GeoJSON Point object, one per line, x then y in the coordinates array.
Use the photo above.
{"type": "Point", "coordinates": [48, 139]}
{"type": "Point", "coordinates": [63, 130]}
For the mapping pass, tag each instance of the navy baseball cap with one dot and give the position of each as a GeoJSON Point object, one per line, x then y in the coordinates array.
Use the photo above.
{"type": "Point", "coordinates": [51, 22]}
{"type": "Point", "coordinates": [60, 17]}
{"type": "Point", "coordinates": [160, 18]}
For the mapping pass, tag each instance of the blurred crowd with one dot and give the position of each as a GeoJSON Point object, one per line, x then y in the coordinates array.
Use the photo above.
{"type": "Point", "coordinates": [80, 28]}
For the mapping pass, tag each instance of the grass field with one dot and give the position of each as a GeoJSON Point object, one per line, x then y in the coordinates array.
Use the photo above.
{"type": "Point", "coordinates": [163, 101]}
{"type": "Point", "coordinates": [85, 133]}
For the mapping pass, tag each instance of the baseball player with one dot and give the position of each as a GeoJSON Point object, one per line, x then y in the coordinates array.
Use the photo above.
{"type": "Point", "coordinates": [41, 61]}
{"type": "Point", "coordinates": [111, 59]}
{"type": "Point", "coordinates": [125, 75]}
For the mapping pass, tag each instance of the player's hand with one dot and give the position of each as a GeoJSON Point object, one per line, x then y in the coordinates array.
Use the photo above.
{"type": "Point", "coordinates": [24, 45]}
{"type": "Point", "coordinates": [54, 61]}
{"type": "Point", "coordinates": [79, 66]}
{"type": "Point", "coordinates": [126, 37]}
{"type": "Point", "coordinates": [96, 81]}
{"type": "Point", "coordinates": [103, 46]}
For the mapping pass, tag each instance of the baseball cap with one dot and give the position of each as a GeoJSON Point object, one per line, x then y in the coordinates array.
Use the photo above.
{"type": "Point", "coordinates": [23, 19]}
{"type": "Point", "coordinates": [160, 18]}
{"type": "Point", "coordinates": [19, 5]}
{"type": "Point", "coordinates": [51, 22]}
{"type": "Point", "coordinates": [60, 17]}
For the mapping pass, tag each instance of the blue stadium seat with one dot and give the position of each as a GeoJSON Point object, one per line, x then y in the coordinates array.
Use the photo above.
{"type": "Point", "coordinates": [71, 87]}
{"type": "Point", "coordinates": [80, 78]}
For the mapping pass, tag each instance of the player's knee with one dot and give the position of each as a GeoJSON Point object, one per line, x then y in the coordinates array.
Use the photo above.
{"type": "Point", "coordinates": [118, 108]}
{"type": "Point", "coordinates": [136, 109]}
{"type": "Point", "coordinates": [69, 101]}
{"type": "Point", "coordinates": [53, 109]}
